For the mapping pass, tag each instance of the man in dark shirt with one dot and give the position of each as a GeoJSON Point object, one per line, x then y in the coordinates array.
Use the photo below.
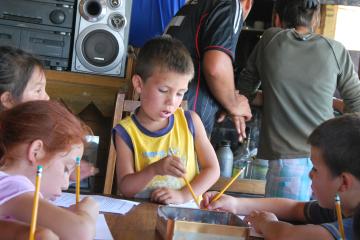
{"type": "Point", "coordinates": [210, 30]}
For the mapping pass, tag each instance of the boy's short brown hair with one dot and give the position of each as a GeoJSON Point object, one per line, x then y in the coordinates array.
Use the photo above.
{"type": "Point", "coordinates": [165, 53]}
{"type": "Point", "coordinates": [338, 141]}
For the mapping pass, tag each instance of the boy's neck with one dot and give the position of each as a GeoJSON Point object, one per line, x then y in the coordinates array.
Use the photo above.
{"type": "Point", "coordinates": [351, 199]}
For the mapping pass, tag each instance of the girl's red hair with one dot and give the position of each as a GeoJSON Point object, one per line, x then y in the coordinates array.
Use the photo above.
{"type": "Point", "coordinates": [48, 121]}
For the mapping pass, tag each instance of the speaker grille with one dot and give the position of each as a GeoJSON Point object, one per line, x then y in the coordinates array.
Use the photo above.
{"type": "Point", "coordinates": [100, 48]}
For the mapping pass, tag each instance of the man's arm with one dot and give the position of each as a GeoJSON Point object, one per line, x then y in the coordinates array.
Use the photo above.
{"type": "Point", "coordinates": [219, 74]}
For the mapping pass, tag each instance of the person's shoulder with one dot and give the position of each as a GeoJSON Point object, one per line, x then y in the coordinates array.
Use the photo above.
{"type": "Point", "coordinates": [7, 179]}
{"type": "Point", "coordinates": [13, 185]}
{"type": "Point", "coordinates": [271, 33]}
{"type": "Point", "coordinates": [126, 120]}
{"type": "Point", "coordinates": [336, 45]}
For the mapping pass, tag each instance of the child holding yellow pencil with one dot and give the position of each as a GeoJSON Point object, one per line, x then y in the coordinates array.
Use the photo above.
{"type": "Point", "coordinates": [336, 171]}
{"type": "Point", "coordinates": [161, 143]}
{"type": "Point", "coordinates": [45, 133]}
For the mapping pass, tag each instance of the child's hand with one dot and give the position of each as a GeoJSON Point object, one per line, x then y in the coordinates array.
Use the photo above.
{"type": "Point", "coordinates": [87, 205]}
{"type": "Point", "coordinates": [45, 234]}
{"type": "Point", "coordinates": [167, 196]}
{"type": "Point", "coordinates": [170, 165]}
{"type": "Point", "coordinates": [224, 203]}
{"type": "Point", "coordinates": [23, 231]}
{"type": "Point", "coordinates": [87, 169]}
{"type": "Point", "coordinates": [258, 219]}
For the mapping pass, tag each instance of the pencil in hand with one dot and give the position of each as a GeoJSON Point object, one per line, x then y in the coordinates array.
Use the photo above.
{"type": "Point", "coordinates": [36, 203]}
{"type": "Point", "coordinates": [339, 216]}
{"type": "Point", "coordinates": [196, 199]}
{"type": "Point", "coordinates": [227, 186]}
{"type": "Point", "coordinates": [77, 189]}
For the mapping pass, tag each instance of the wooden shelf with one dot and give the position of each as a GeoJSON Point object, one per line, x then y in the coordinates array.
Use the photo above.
{"type": "Point", "coordinates": [78, 90]}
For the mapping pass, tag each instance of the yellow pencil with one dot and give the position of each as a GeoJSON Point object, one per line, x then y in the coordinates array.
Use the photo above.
{"type": "Point", "coordinates": [192, 192]}
{"type": "Point", "coordinates": [227, 186]}
{"type": "Point", "coordinates": [77, 189]}
{"type": "Point", "coordinates": [36, 203]}
{"type": "Point", "coordinates": [187, 182]}
{"type": "Point", "coordinates": [339, 216]}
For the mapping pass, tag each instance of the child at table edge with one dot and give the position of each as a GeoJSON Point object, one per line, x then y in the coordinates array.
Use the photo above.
{"type": "Point", "coordinates": [336, 170]}
{"type": "Point", "coordinates": [160, 143]}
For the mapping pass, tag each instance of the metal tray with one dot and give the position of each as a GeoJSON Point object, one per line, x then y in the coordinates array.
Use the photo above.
{"type": "Point", "coordinates": [185, 223]}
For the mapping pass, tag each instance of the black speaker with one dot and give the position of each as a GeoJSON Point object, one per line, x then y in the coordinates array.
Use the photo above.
{"type": "Point", "coordinates": [101, 36]}
{"type": "Point", "coordinates": [41, 27]}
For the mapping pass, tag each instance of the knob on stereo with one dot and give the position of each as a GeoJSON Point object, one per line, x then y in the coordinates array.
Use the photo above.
{"type": "Point", "coordinates": [57, 17]}
{"type": "Point", "coordinates": [117, 21]}
{"type": "Point", "coordinates": [115, 3]}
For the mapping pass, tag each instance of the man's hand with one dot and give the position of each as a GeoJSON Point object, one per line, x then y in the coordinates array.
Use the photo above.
{"type": "Point", "coordinates": [239, 115]}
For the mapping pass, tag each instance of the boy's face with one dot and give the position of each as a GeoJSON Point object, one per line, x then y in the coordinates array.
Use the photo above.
{"type": "Point", "coordinates": [35, 88]}
{"type": "Point", "coordinates": [162, 93]}
{"type": "Point", "coordinates": [324, 184]}
{"type": "Point", "coordinates": [56, 173]}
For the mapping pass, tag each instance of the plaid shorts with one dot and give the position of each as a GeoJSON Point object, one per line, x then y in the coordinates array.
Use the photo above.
{"type": "Point", "coordinates": [289, 178]}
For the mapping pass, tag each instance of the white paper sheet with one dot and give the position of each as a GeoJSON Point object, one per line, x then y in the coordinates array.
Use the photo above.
{"type": "Point", "coordinates": [107, 204]}
{"type": "Point", "coordinates": [102, 229]}
{"type": "Point", "coordinates": [189, 204]}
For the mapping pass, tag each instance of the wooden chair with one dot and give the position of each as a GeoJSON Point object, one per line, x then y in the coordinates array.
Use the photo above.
{"type": "Point", "coordinates": [121, 106]}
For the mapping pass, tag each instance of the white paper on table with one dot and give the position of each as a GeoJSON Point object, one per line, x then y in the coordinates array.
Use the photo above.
{"type": "Point", "coordinates": [107, 204]}
{"type": "Point", "coordinates": [102, 229]}
{"type": "Point", "coordinates": [252, 233]}
{"type": "Point", "coordinates": [189, 204]}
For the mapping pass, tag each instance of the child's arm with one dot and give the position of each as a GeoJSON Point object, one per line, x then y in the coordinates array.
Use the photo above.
{"type": "Point", "coordinates": [12, 230]}
{"type": "Point", "coordinates": [131, 182]}
{"type": "Point", "coordinates": [206, 156]}
{"type": "Point", "coordinates": [284, 209]}
{"type": "Point", "coordinates": [268, 225]}
{"type": "Point", "coordinates": [75, 223]}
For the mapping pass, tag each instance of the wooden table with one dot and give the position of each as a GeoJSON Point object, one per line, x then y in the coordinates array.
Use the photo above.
{"type": "Point", "coordinates": [139, 223]}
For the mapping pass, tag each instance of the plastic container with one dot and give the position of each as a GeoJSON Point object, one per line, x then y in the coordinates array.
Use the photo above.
{"type": "Point", "coordinates": [226, 158]}
{"type": "Point", "coordinates": [257, 169]}
{"type": "Point", "coordinates": [242, 158]}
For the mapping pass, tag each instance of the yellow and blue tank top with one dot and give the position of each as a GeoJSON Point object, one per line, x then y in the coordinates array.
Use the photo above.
{"type": "Point", "coordinates": [177, 138]}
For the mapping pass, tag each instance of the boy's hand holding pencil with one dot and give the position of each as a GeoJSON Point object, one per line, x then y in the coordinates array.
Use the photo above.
{"type": "Point", "coordinates": [169, 165]}
{"type": "Point", "coordinates": [225, 202]}
{"type": "Point", "coordinates": [211, 199]}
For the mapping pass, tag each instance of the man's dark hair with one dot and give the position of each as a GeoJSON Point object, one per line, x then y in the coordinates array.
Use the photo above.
{"type": "Point", "coordinates": [338, 140]}
{"type": "Point", "coordinates": [165, 53]}
{"type": "Point", "coordinates": [294, 13]}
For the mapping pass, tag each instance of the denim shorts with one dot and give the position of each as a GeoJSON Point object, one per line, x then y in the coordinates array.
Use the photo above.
{"type": "Point", "coordinates": [289, 178]}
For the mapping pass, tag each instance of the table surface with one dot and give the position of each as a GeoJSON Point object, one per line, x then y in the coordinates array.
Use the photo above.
{"type": "Point", "coordinates": [139, 223]}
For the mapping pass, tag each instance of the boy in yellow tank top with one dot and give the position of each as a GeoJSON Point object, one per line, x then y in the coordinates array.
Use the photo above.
{"type": "Point", "coordinates": [161, 143]}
